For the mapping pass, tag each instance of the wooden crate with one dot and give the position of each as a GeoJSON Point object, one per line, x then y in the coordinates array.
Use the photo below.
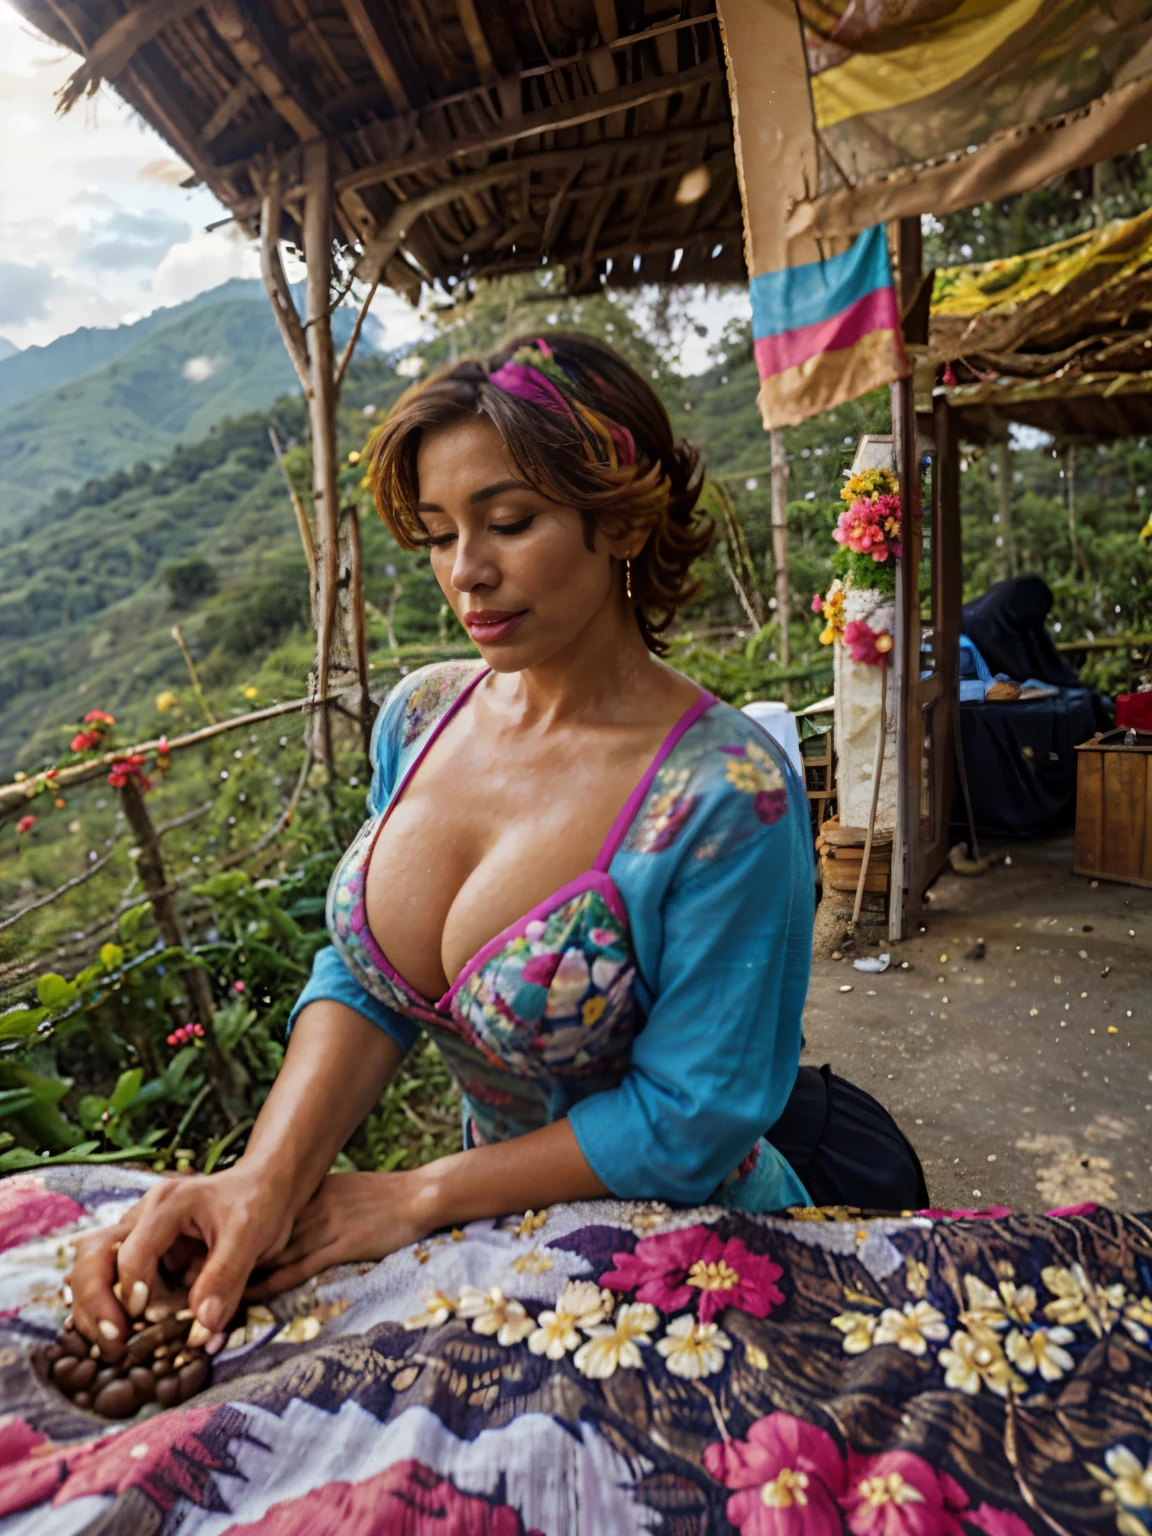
{"type": "Point", "coordinates": [841, 851]}
{"type": "Point", "coordinates": [1114, 809]}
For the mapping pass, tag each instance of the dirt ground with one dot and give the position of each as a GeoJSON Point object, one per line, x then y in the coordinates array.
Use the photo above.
{"type": "Point", "coordinates": [1023, 1078]}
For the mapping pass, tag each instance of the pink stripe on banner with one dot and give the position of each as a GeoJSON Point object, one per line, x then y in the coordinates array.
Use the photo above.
{"type": "Point", "coordinates": [876, 311]}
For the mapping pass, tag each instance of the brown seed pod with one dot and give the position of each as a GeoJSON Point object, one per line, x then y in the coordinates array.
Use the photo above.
{"type": "Point", "coordinates": [117, 1400]}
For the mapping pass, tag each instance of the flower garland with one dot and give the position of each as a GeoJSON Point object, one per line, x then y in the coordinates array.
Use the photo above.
{"type": "Point", "coordinates": [869, 529]}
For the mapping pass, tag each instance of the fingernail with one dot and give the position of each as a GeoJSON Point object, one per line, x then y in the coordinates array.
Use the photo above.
{"type": "Point", "coordinates": [157, 1313]}
{"type": "Point", "coordinates": [137, 1299]}
{"type": "Point", "coordinates": [116, 1291]}
{"type": "Point", "coordinates": [215, 1344]}
{"type": "Point", "coordinates": [210, 1313]}
{"type": "Point", "coordinates": [107, 1329]}
{"type": "Point", "coordinates": [198, 1335]}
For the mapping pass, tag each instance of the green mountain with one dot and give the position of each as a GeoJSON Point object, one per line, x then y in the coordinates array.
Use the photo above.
{"type": "Point", "coordinates": [27, 373]}
{"type": "Point", "coordinates": [127, 395]}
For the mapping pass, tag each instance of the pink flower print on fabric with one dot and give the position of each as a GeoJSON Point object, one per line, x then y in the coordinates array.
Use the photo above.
{"type": "Point", "coordinates": [748, 1164]}
{"type": "Point", "coordinates": [787, 1478]}
{"type": "Point", "coordinates": [665, 811]}
{"type": "Point", "coordinates": [408, 1498]}
{"type": "Point", "coordinates": [29, 1210]}
{"type": "Point", "coordinates": [604, 938]}
{"type": "Point", "coordinates": [996, 1522]}
{"type": "Point", "coordinates": [540, 969]}
{"type": "Point", "coordinates": [674, 1270]}
{"type": "Point", "coordinates": [898, 1494]}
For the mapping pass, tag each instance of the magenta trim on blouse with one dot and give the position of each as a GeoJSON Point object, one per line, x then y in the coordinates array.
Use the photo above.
{"type": "Point", "coordinates": [636, 799]}
{"type": "Point", "coordinates": [594, 879]}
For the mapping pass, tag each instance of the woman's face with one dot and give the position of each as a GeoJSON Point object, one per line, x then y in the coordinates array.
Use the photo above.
{"type": "Point", "coordinates": [513, 565]}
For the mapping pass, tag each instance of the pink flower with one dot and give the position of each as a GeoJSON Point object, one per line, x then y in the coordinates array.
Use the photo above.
{"type": "Point", "coordinates": [770, 804]}
{"type": "Point", "coordinates": [673, 1269]}
{"type": "Point", "coordinates": [817, 603]}
{"type": "Point", "coordinates": [406, 1499]}
{"type": "Point", "coordinates": [866, 644]}
{"type": "Point", "coordinates": [898, 1494]}
{"type": "Point", "coordinates": [1084, 1209]}
{"type": "Point", "coordinates": [130, 769]}
{"type": "Point", "coordinates": [238, 987]}
{"type": "Point", "coordinates": [99, 717]}
{"type": "Point", "coordinates": [871, 526]}
{"type": "Point", "coordinates": [539, 970]}
{"type": "Point", "coordinates": [25, 824]}
{"type": "Point", "coordinates": [603, 938]}
{"type": "Point", "coordinates": [787, 1477]}
{"type": "Point", "coordinates": [996, 1522]}
{"type": "Point", "coordinates": [28, 1209]}
{"type": "Point", "coordinates": [83, 740]}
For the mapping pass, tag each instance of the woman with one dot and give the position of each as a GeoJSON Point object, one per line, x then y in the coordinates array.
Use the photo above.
{"type": "Point", "coordinates": [587, 879]}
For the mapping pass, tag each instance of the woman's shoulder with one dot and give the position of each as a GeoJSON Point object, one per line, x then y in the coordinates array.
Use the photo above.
{"type": "Point", "coordinates": [724, 781]}
{"type": "Point", "coordinates": [417, 703]}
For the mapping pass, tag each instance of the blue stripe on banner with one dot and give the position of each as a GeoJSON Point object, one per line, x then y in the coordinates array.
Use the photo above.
{"type": "Point", "coordinates": [818, 290]}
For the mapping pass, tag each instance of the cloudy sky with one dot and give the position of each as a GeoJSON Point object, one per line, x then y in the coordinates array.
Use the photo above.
{"type": "Point", "coordinates": [95, 228]}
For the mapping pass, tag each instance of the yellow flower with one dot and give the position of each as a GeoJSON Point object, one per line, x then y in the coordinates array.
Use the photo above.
{"type": "Point", "coordinates": [614, 1346]}
{"type": "Point", "coordinates": [1079, 1300]}
{"type": "Point", "coordinates": [712, 1277]}
{"type": "Point", "coordinates": [354, 457]}
{"type": "Point", "coordinates": [1040, 1351]}
{"type": "Point", "coordinates": [785, 1490]}
{"type": "Point", "coordinates": [250, 692]}
{"type": "Point", "coordinates": [166, 701]}
{"type": "Point", "coordinates": [593, 1010]}
{"type": "Point", "coordinates": [492, 1313]}
{"type": "Point", "coordinates": [533, 1263]}
{"type": "Point", "coordinates": [1128, 1483]}
{"type": "Point", "coordinates": [892, 1489]}
{"type": "Point", "coordinates": [532, 1222]}
{"type": "Point", "coordinates": [1137, 1319]}
{"type": "Point", "coordinates": [988, 1308]}
{"type": "Point", "coordinates": [912, 1329]}
{"type": "Point", "coordinates": [693, 1349]}
{"type": "Point", "coordinates": [916, 1276]}
{"type": "Point", "coordinates": [745, 776]}
{"type": "Point", "coordinates": [1146, 531]}
{"type": "Point", "coordinates": [555, 1335]}
{"type": "Point", "coordinates": [438, 1308]}
{"type": "Point", "coordinates": [976, 1359]}
{"type": "Point", "coordinates": [858, 1329]}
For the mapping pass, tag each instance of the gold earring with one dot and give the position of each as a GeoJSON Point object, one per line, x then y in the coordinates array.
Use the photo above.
{"type": "Point", "coordinates": [628, 576]}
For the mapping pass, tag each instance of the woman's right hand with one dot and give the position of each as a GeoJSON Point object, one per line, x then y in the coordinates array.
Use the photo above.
{"type": "Point", "coordinates": [208, 1231]}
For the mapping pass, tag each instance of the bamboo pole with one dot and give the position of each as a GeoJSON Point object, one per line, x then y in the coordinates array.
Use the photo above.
{"type": "Point", "coordinates": [193, 674]}
{"type": "Point", "coordinates": [780, 547]}
{"type": "Point", "coordinates": [322, 414]}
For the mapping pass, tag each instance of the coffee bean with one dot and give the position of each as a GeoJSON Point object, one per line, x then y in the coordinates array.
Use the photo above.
{"type": "Point", "coordinates": [141, 1345]}
{"type": "Point", "coordinates": [193, 1377]}
{"type": "Point", "coordinates": [161, 1368]}
{"type": "Point", "coordinates": [117, 1400]}
{"type": "Point", "coordinates": [144, 1383]}
{"type": "Point", "coordinates": [168, 1391]}
{"type": "Point", "coordinates": [82, 1400]}
{"type": "Point", "coordinates": [54, 1352]}
{"type": "Point", "coordinates": [103, 1379]}
{"type": "Point", "coordinates": [72, 1342]}
{"type": "Point", "coordinates": [63, 1370]}
{"type": "Point", "coordinates": [83, 1376]}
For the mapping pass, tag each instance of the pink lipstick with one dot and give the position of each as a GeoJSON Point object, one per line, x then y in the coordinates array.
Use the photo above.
{"type": "Point", "coordinates": [489, 626]}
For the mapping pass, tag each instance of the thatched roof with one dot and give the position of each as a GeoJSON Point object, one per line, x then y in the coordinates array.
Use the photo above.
{"type": "Point", "coordinates": [466, 136]}
{"type": "Point", "coordinates": [1058, 338]}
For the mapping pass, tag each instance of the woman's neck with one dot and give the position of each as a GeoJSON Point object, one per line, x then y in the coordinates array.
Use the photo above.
{"type": "Point", "coordinates": [606, 674]}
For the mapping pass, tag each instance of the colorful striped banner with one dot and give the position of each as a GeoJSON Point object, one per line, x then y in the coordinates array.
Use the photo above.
{"type": "Point", "coordinates": [826, 331]}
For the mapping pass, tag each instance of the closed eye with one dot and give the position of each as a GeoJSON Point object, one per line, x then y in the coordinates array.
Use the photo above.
{"type": "Point", "coordinates": [521, 526]}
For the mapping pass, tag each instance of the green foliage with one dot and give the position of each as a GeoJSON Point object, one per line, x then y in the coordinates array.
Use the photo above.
{"type": "Point", "coordinates": [190, 579]}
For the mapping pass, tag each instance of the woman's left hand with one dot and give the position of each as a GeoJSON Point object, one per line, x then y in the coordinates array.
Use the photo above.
{"type": "Point", "coordinates": [352, 1216]}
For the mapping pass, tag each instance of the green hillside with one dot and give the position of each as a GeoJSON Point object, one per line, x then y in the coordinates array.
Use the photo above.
{"type": "Point", "coordinates": [181, 372]}
{"type": "Point", "coordinates": [35, 369]}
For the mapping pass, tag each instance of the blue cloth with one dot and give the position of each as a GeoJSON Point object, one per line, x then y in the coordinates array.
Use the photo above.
{"type": "Point", "coordinates": [715, 873]}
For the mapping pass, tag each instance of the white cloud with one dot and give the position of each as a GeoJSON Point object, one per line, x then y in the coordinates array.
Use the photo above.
{"type": "Point", "coordinates": [203, 261]}
{"type": "Point", "coordinates": [197, 370]}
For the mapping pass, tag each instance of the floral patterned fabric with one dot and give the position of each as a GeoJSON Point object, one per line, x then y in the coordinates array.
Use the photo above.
{"type": "Point", "coordinates": [619, 1367]}
{"type": "Point", "coordinates": [686, 945]}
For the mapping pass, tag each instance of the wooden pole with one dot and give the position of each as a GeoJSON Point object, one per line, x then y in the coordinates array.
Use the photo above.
{"type": "Point", "coordinates": [1070, 491]}
{"type": "Point", "coordinates": [193, 674]}
{"type": "Point", "coordinates": [1004, 494]}
{"type": "Point", "coordinates": [322, 416]}
{"type": "Point", "coordinates": [150, 868]}
{"type": "Point", "coordinates": [906, 650]}
{"type": "Point", "coordinates": [780, 541]}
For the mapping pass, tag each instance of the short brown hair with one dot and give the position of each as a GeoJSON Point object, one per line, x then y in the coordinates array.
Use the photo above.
{"type": "Point", "coordinates": [568, 457]}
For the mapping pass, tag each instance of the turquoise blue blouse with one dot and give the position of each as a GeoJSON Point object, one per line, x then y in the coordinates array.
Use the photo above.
{"type": "Point", "coordinates": [655, 1001]}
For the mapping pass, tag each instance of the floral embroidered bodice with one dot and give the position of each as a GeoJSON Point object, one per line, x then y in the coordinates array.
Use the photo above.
{"type": "Point", "coordinates": [551, 996]}
{"type": "Point", "coordinates": [549, 1017]}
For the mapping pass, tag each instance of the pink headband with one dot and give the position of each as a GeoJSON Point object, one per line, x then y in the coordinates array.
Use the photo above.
{"type": "Point", "coordinates": [532, 384]}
